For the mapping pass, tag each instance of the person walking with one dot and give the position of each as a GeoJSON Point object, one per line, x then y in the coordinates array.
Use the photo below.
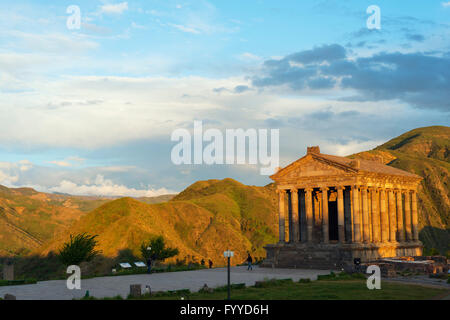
{"type": "Point", "coordinates": [149, 265]}
{"type": "Point", "coordinates": [210, 263]}
{"type": "Point", "coordinates": [249, 261]}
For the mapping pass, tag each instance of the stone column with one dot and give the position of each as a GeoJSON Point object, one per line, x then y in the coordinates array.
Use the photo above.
{"type": "Point", "coordinates": [302, 214]}
{"type": "Point", "coordinates": [340, 208]}
{"type": "Point", "coordinates": [309, 214]}
{"type": "Point", "coordinates": [295, 218]}
{"type": "Point", "coordinates": [348, 216]}
{"type": "Point", "coordinates": [415, 217]}
{"type": "Point", "coordinates": [325, 220]}
{"type": "Point", "coordinates": [281, 215]}
{"type": "Point", "coordinates": [375, 216]}
{"type": "Point", "coordinates": [400, 231]}
{"type": "Point", "coordinates": [365, 210]}
{"type": "Point", "coordinates": [408, 216]}
{"type": "Point", "coordinates": [384, 217]}
{"type": "Point", "coordinates": [356, 220]}
{"type": "Point", "coordinates": [392, 217]}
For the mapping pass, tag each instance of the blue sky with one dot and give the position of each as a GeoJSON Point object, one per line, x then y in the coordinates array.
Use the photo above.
{"type": "Point", "coordinates": [91, 111]}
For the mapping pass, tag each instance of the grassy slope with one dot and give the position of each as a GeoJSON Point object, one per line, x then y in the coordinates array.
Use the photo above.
{"type": "Point", "coordinates": [28, 218]}
{"type": "Point", "coordinates": [203, 221]}
{"type": "Point", "coordinates": [426, 152]}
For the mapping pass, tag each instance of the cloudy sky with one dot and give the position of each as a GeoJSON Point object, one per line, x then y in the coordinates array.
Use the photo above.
{"type": "Point", "coordinates": [91, 110]}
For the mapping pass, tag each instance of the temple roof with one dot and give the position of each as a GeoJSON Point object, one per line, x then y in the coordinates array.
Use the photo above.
{"type": "Point", "coordinates": [354, 165]}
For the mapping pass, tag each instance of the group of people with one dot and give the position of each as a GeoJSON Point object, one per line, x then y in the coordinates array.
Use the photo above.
{"type": "Point", "coordinates": [210, 263]}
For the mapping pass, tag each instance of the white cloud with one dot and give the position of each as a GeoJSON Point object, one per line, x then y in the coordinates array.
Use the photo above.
{"type": "Point", "coordinates": [116, 168]}
{"type": "Point", "coordinates": [25, 165]}
{"type": "Point", "coordinates": [350, 147]}
{"type": "Point", "coordinates": [184, 28]}
{"type": "Point", "coordinates": [106, 187]}
{"type": "Point", "coordinates": [117, 8]}
{"type": "Point", "coordinates": [68, 162]}
{"type": "Point", "coordinates": [61, 163]}
{"type": "Point", "coordinates": [7, 179]}
{"type": "Point", "coordinates": [137, 26]}
{"type": "Point", "coordinates": [446, 4]}
{"type": "Point", "coordinates": [247, 56]}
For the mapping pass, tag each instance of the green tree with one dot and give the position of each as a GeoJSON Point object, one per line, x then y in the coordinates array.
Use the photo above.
{"type": "Point", "coordinates": [158, 251]}
{"type": "Point", "coordinates": [79, 249]}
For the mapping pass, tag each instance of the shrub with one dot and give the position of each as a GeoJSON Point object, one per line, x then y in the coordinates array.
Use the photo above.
{"type": "Point", "coordinates": [330, 276]}
{"type": "Point", "coordinates": [305, 280]}
{"type": "Point", "coordinates": [430, 252]}
{"type": "Point", "coordinates": [238, 286]}
{"type": "Point", "coordinates": [272, 282]}
{"type": "Point", "coordinates": [79, 249]}
{"type": "Point", "coordinates": [158, 251]}
{"type": "Point", "coordinates": [17, 282]}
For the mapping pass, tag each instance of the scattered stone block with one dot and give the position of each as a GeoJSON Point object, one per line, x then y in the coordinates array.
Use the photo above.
{"type": "Point", "coordinates": [135, 290]}
{"type": "Point", "coordinates": [206, 289]}
{"type": "Point", "coordinates": [8, 272]}
{"type": "Point", "coordinates": [9, 297]}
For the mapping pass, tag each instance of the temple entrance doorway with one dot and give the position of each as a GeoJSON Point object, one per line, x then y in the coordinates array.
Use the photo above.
{"type": "Point", "coordinates": [333, 220]}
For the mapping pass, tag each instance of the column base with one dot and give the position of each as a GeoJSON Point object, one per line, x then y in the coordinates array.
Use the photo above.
{"type": "Point", "coordinates": [334, 255]}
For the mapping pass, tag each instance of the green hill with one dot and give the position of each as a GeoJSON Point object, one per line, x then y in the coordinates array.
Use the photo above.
{"type": "Point", "coordinates": [28, 218]}
{"type": "Point", "coordinates": [214, 215]}
{"type": "Point", "coordinates": [204, 220]}
{"type": "Point", "coordinates": [426, 152]}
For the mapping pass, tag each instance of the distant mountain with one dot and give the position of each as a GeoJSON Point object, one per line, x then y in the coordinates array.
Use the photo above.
{"type": "Point", "coordinates": [211, 216]}
{"type": "Point", "coordinates": [204, 220]}
{"type": "Point", "coordinates": [157, 199]}
{"type": "Point", "coordinates": [426, 152]}
{"type": "Point", "coordinates": [29, 218]}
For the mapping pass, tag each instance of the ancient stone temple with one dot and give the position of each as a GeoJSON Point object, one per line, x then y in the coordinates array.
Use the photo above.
{"type": "Point", "coordinates": [334, 209]}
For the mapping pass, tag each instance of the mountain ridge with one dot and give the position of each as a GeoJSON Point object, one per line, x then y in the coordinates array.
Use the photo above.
{"type": "Point", "coordinates": [211, 216]}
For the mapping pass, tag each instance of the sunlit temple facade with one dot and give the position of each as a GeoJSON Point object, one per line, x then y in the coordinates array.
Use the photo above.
{"type": "Point", "coordinates": [334, 209]}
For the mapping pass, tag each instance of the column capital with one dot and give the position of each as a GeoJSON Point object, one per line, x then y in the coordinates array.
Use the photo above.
{"type": "Point", "coordinates": [324, 189]}
{"type": "Point", "coordinates": [281, 191]}
{"type": "Point", "coordinates": [309, 189]}
{"type": "Point", "coordinates": [294, 190]}
{"type": "Point", "coordinates": [363, 187]}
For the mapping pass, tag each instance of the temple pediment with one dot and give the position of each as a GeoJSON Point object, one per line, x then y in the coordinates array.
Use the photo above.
{"type": "Point", "coordinates": [312, 166]}
{"type": "Point", "coordinates": [316, 164]}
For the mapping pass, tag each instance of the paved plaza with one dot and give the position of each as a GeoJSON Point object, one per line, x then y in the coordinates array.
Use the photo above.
{"type": "Point", "coordinates": [120, 285]}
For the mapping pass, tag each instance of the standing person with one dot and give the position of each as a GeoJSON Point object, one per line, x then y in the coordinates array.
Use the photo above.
{"type": "Point", "coordinates": [149, 265]}
{"type": "Point", "coordinates": [249, 260]}
{"type": "Point", "coordinates": [202, 262]}
{"type": "Point", "coordinates": [210, 263]}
